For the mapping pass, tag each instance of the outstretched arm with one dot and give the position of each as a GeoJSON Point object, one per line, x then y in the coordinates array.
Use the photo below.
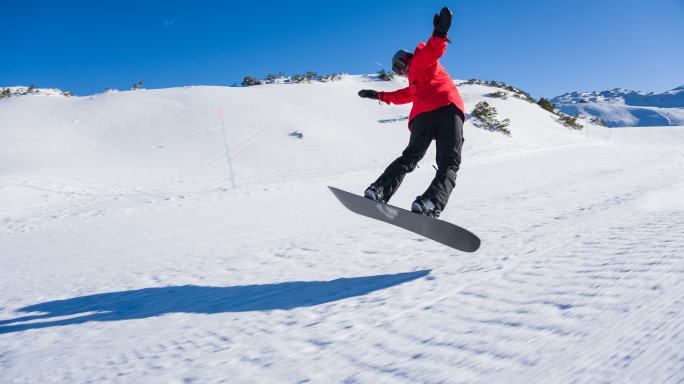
{"type": "Point", "coordinates": [400, 96]}
{"type": "Point", "coordinates": [426, 55]}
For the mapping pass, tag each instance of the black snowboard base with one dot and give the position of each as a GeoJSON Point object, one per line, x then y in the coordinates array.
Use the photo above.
{"type": "Point", "coordinates": [440, 231]}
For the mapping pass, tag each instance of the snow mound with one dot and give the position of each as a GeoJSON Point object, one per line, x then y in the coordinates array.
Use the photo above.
{"type": "Point", "coordinates": [165, 136]}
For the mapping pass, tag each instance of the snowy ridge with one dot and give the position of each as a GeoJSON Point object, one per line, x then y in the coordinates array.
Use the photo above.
{"type": "Point", "coordinates": [128, 257]}
{"type": "Point", "coordinates": [23, 91]}
{"type": "Point", "coordinates": [621, 107]}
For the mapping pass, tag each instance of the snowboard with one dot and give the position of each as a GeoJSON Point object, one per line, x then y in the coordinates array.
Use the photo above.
{"type": "Point", "coordinates": [438, 230]}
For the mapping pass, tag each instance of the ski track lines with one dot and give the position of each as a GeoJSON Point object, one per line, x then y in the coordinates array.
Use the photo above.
{"type": "Point", "coordinates": [613, 288]}
{"type": "Point", "coordinates": [628, 296]}
{"type": "Point", "coordinates": [479, 313]}
{"type": "Point", "coordinates": [625, 278]}
{"type": "Point", "coordinates": [244, 144]}
{"type": "Point", "coordinates": [507, 314]}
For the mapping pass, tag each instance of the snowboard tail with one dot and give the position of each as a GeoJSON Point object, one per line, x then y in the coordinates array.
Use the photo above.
{"type": "Point", "coordinates": [438, 230]}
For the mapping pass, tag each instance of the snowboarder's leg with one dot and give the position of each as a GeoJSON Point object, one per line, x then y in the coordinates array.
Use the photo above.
{"type": "Point", "coordinates": [421, 136]}
{"type": "Point", "coordinates": [449, 135]}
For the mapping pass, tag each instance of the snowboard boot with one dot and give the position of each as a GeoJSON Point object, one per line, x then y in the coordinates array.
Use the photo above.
{"type": "Point", "coordinates": [425, 206]}
{"type": "Point", "coordinates": [374, 194]}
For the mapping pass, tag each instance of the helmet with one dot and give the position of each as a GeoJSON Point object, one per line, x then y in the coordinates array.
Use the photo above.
{"type": "Point", "coordinates": [400, 61]}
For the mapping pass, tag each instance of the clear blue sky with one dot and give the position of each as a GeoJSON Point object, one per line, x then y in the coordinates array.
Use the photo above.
{"type": "Point", "coordinates": [546, 47]}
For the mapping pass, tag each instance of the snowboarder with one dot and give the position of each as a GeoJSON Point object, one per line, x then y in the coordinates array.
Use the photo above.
{"type": "Point", "coordinates": [437, 113]}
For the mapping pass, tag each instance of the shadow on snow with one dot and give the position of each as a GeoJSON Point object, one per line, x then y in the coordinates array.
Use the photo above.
{"type": "Point", "coordinates": [151, 302]}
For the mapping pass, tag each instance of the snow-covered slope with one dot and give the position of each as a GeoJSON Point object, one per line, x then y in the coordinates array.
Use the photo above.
{"type": "Point", "coordinates": [625, 108]}
{"type": "Point", "coordinates": [174, 137]}
{"type": "Point", "coordinates": [127, 256]}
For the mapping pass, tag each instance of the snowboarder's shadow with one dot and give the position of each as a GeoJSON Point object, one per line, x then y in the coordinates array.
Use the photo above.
{"type": "Point", "coordinates": [152, 302]}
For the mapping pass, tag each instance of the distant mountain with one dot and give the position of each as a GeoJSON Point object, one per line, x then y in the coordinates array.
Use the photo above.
{"type": "Point", "coordinates": [626, 108]}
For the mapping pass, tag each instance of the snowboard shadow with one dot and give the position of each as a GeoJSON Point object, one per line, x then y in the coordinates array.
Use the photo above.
{"type": "Point", "coordinates": [152, 302]}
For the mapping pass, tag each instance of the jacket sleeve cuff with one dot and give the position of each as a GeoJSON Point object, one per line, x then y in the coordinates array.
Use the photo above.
{"type": "Point", "coordinates": [381, 97]}
{"type": "Point", "coordinates": [438, 36]}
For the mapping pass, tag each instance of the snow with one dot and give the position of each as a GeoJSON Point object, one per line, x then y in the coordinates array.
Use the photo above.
{"type": "Point", "coordinates": [625, 108]}
{"type": "Point", "coordinates": [128, 257]}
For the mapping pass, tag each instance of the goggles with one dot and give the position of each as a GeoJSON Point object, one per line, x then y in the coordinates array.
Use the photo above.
{"type": "Point", "coordinates": [399, 66]}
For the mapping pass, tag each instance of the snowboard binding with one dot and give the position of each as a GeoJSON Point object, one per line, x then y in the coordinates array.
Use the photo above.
{"type": "Point", "coordinates": [374, 194]}
{"type": "Point", "coordinates": [425, 206]}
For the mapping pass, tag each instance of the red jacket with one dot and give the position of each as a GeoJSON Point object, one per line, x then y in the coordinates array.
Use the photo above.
{"type": "Point", "coordinates": [430, 86]}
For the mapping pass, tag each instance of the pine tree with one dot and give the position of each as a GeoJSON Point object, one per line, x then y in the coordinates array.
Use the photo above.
{"type": "Point", "coordinates": [598, 121]}
{"type": "Point", "coordinates": [486, 116]}
{"type": "Point", "coordinates": [385, 75]}
{"type": "Point", "coordinates": [137, 85]}
{"type": "Point", "coordinates": [297, 78]}
{"type": "Point", "coordinates": [498, 95]}
{"type": "Point", "coordinates": [546, 104]}
{"type": "Point", "coordinates": [249, 81]}
{"type": "Point", "coordinates": [570, 122]}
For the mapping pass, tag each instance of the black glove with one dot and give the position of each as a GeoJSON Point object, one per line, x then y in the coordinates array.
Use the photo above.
{"type": "Point", "coordinates": [368, 94]}
{"type": "Point", "coordinates": [442, 22]}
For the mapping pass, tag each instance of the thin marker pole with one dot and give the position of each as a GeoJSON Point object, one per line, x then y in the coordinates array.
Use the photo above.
{"type": "Point", "coordinates": [225, 143]}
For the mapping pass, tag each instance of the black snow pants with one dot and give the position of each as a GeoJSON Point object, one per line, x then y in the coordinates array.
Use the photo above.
{"type": "Point", "coordinates": [445, 124]}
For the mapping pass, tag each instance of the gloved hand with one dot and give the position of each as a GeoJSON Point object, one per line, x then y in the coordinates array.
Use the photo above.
{"type": "Point", "coordinates": [442, 22]}
{"type": "Point", "coordinates": [368, 94]}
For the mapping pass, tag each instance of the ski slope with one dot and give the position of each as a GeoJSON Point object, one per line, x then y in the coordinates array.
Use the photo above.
{"type": "Point", "coordinates": [128, 256]}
